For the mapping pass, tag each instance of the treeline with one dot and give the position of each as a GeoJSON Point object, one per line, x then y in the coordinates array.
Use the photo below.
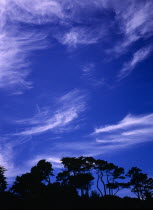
{"type": "Point", "coordinates": [74, 184]}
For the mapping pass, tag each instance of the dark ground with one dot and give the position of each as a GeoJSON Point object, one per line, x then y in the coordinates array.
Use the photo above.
{"type": "Point", "coordinates": [12, 202]}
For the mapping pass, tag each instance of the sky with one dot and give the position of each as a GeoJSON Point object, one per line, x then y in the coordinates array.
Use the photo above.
{"type": "Point", "coordinates": [76, 79]}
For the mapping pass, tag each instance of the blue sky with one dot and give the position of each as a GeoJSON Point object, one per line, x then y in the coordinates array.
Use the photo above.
{"type": "Point", "coordinates": [76, 79]}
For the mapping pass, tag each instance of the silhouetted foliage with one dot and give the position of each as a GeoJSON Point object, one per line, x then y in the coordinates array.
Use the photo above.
{"type": "Point", "coordinates": [82, 181]}
{"type": "Point", "coordinates": [42, 171]}
{"type": "Point", "coordinates": [33, 183]}
{"type": "Point", "coordinates": [72, 188]}
{"type": "Point", "coordinates": [109, 175]}
{"type": "Point", "coordinates": [3, 183]}
{"type": "Point", "coordinates": [77, 173]}
{"type": "Point", "coordinates": [63, 178]}
{"type": "Point", "coordinates": [142, 186]}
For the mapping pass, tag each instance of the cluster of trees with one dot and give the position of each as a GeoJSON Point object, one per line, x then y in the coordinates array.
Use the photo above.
{"type": "Point", "coordinates": [76, 179]}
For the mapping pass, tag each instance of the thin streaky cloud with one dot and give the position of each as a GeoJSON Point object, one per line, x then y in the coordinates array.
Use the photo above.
{"type": "Point", "coordinates": [138, 132]}
{"type": "Point", "coordinates": [128, 132]}
{"type": "Point", "coordinates": [16, 46]}
{"type": "Point", "coordinates": [14, 68]}
{"type": "Point", "coordinates": [36, 11]}
{"type": "Point", "coordinates": [69, 105]}
{"type": "Point", "coordinates": [135, 21]}
{"type": "Point", "coordinates": [99, 146]}
{"type": "Point", "coordinates": [127, 122]}
{"type": "Point", "coordinates": [138, 57]}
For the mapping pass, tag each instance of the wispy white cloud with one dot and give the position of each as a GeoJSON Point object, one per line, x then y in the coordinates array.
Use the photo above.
{"type": "Point", "coordinates": [69, 106]}
{"type": "Point", "coordinates": [8, 155]}
{"type": "Point", "coordinates": [89, 147]}
{"type": "Point", "coordinates": [88, 69]}
{"type": "Point", "coordinates": [79, 36]}
{"type": "Point", "coordinates": [79, 24]}
{"type": "Point", "coordinates": [16, 42]}
{"type": "Point", "coordinates": [36, 12]}
{"type": "Point", "coordinates": [128, 122]}
{"type": "Point", "coordinates": [129, 131]}
{"type": "Point", "coordinates": [90, 77]}
{"type": "Point", "coordinates": [138, 18]}
{"type": "Point", "coordinates": [14, 67]}
{"type": "Point", "coordinates": [143, 131]}
{"type": "Point", "coordinates": [6, 158]}
{"type": "Point", "coordinates": [135, 21]}
{"type": "Point", "coordinates": [62, 117]}
{"type": "Point", "coordinates": [138, 57]}
{"type": "Point", "coordinates": [56, 163]}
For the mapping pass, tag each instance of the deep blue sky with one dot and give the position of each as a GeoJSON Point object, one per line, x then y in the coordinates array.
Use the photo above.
{"type": "Point", "coordinates": [76, 79]}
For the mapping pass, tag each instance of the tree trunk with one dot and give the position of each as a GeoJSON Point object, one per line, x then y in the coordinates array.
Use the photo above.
{"type": "Point", "coordinates": [101, 178]}
{"type": "Point", "coordinates": [82, 192]}
{"type": "Point", "coordinates": [108, 187]}
{"type": "Point", "coordinates": [98, 186]}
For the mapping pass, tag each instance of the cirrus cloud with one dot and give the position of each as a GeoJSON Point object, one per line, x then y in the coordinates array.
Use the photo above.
{"type": "Point", "coordinates": [69, 106]}
{"type": "Point", "coordinates": [129, 131]}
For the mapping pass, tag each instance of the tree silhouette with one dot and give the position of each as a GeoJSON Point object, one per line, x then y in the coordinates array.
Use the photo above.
{"type": "Point", "coordinates": [42, 171]}
{"type": "Point", "coordinates": [82, 181]}
{"type": "Point", "coordinates": [77, 173]}
{"type": "Point", "coordinates": [100, 167]}
{"type": "Point", "coordinates": [63, 178]}
{"type": "Point", "coordinates": [73, 184]}
{"type": "Point", "coordinates": [148, 189]}
{"type": "Point", "coordinates": [108, 174]}
{"type": "Point", "coordinates": [25, 185]}
{"type": "Point", "coordinates": [3, 183]}
{"type": "Point", "coordinates": [33, 183]}
{"type": "Point", "coordinates": [114, 174]}
{"type": "Point", "coordinates": [142, 186]}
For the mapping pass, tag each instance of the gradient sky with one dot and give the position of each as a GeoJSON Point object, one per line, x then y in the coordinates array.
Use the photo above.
{"type": "Point", "coordinates": [76, 78]}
